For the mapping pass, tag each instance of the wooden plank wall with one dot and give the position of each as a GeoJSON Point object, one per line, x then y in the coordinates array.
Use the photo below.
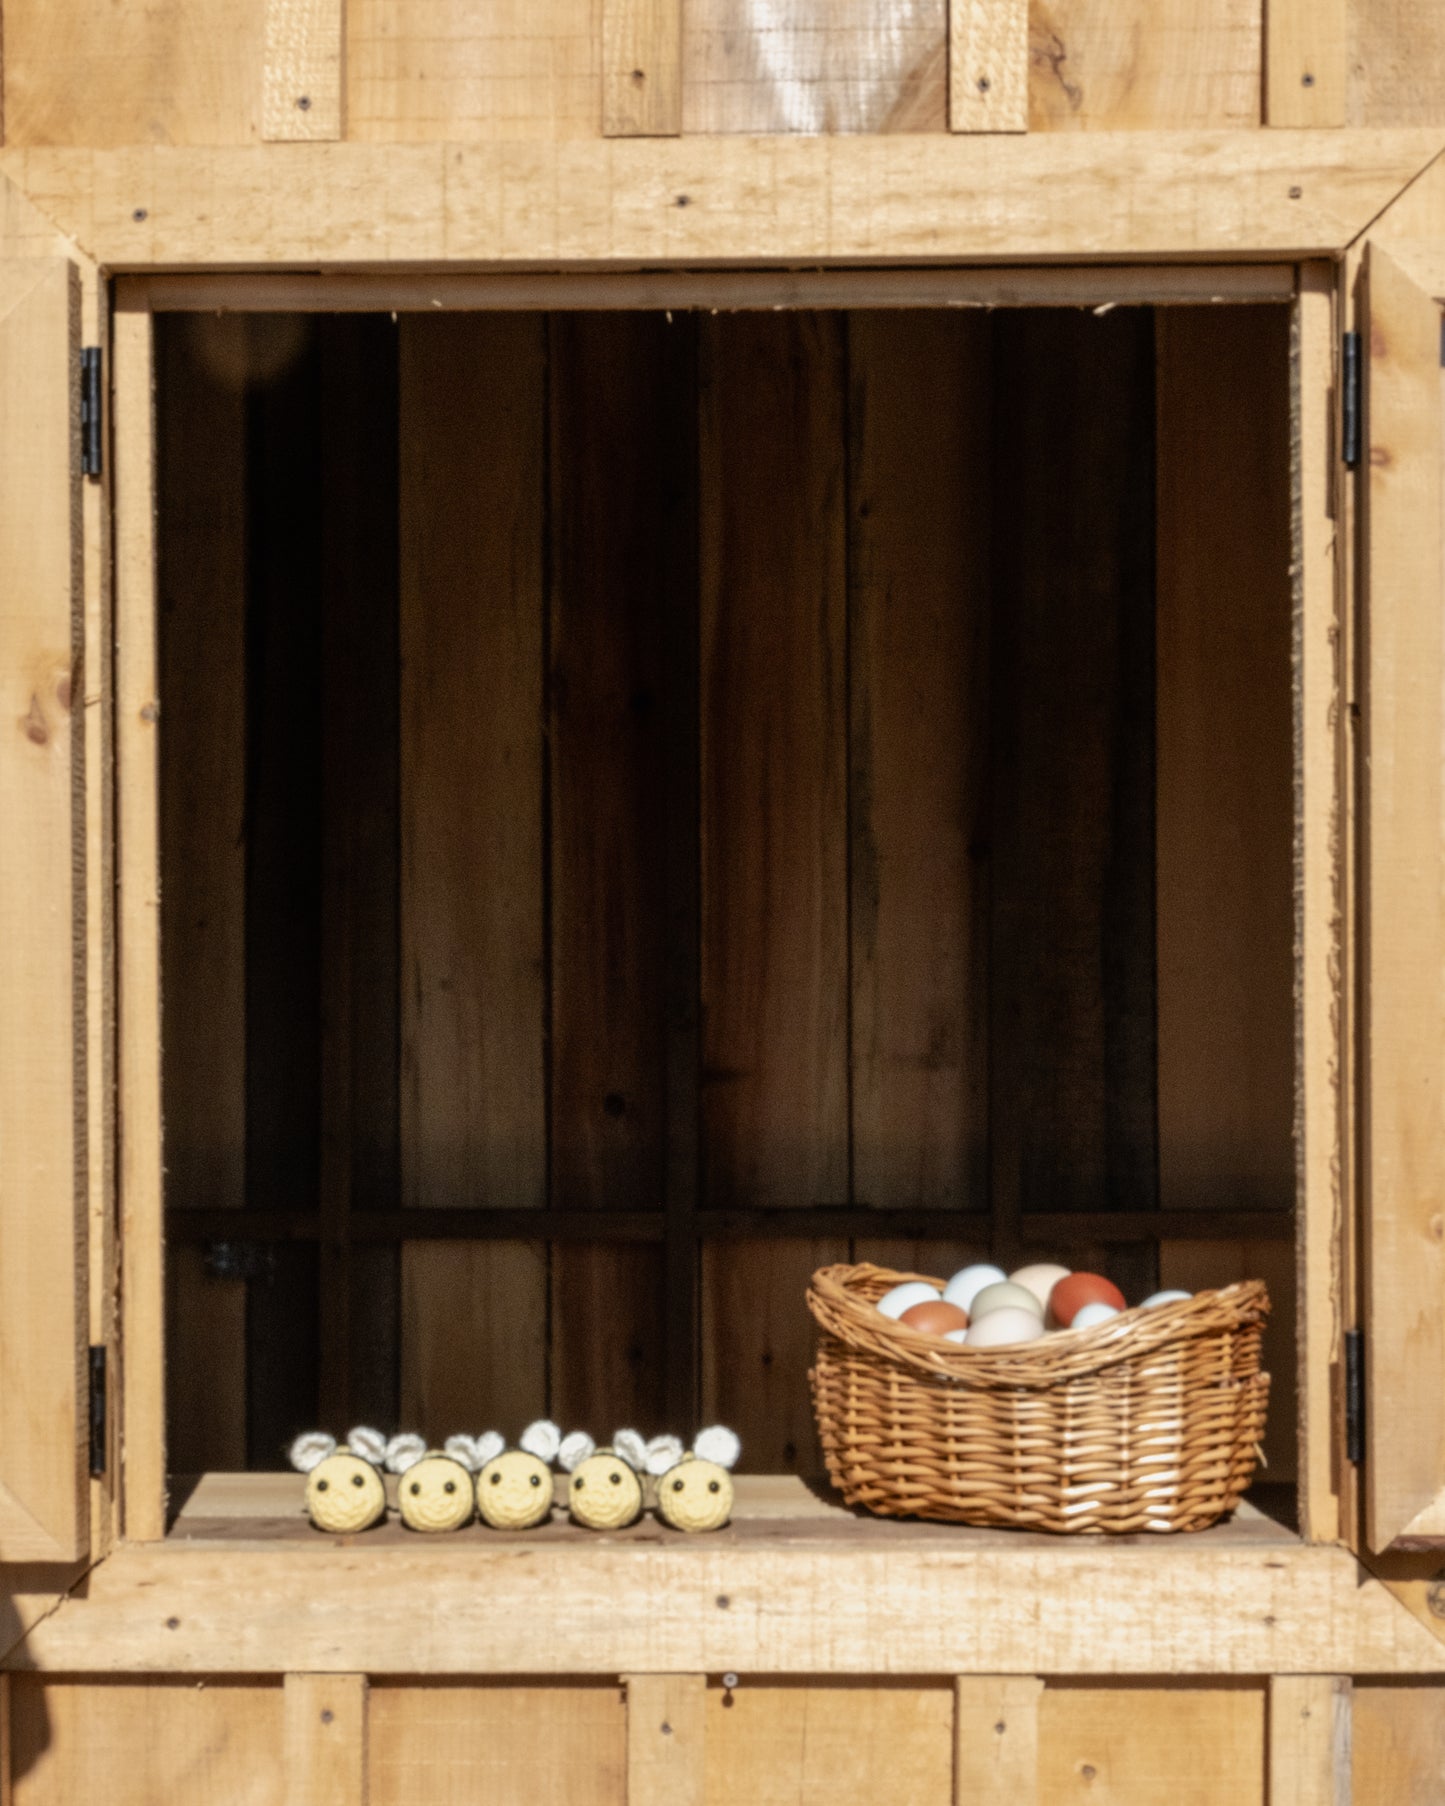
{"type": "Point", "coordinates": [406, 71]}
{"type": "Point", "coordinates": [898, 1743]}
{"type": "Point", "coordinates": [716, 771]}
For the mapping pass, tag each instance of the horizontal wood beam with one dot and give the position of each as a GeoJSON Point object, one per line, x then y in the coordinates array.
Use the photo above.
{"type": "Point", "coordinates": [666, 201]}
{"type": "Point", "coordinates": [938, 1604]}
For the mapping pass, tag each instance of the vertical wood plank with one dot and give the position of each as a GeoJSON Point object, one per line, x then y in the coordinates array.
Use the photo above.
{"type": "Point", "coordinates": [7, 1794]}
{"type": "Point", "coordinates": [1144, 1743]}
{"type": "Point", "coordinates": [325, 1739]}
{"type": "Point", "coordinates": [1404, 953]}
{"type": "Point", "coordinates": [473, 1103]}
{"type": "Point", "coordinates": [996, 1739]}
{"type": "Point", "coordinates": [641, 68]}
{"type": "Point", "coordinates": [1309, 1740]}
{"type": "Point", "coordinates": [918, 580]}
{"type": "Point", "coordinates": [303, 78]}
{"type": "Point", "coordinates": [1306, 62]}
{"type": "Point", "coordinates": [1398, 1741]}
{"type": "Point", "coordinates": [201, 366]}
{"type": "Point", "coordinates": [988, 65]}
{"type": "Point", "coordinates": [665, 1733]}
{"type": "Point", "coordinates": [138, 930]}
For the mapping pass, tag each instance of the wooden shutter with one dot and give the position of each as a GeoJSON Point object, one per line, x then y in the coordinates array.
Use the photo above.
{"type": "Point", "coordinates": [1404, 922]}
{"type": "Point", "coordinates": [43, 1466]}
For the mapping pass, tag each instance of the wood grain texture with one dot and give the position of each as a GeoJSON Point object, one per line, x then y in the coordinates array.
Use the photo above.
{"type": "Point", "coordinates": [988, 65]}
{"type": "Point", "coordinates": [802, 1745]}
{"type": "Point", "coordinates": [507, 1744]}
{"type": "Point", "coordinates": [641, 68]}
{"type": "Point", "coordinates": [325, 1738]}
{"type": "Point", "coordinates": [303, 74]}
{"type": "Point", "coordinates": [138, 1743]}
{"type": "Point", "coordinates": [1138, 1745]}
{"type": "Point", "coordinates": [1309, 1741]}
{"type": "Point", "coordinates": [666, 1724]}
{"type": "Point", "coordinates": [201, 370]}
{"type": "Point", "coordinates": [44, 1495]}
{"type": "Point", "coordinates": [419, 70]}
{"type": "Point", "coordinates": [918, 512]}
{"type": "Point", "coordinates": [1396, 62]}
{"type": "Point", "coordinates": [473, 1097]}
{"type": "Point", "coordinates": [1399, 1742]}
{"type": "Point", "coordinates": [1404, 970]}
{"type": "Point", "coordinates": [937, 197]}
{"type": "Point", "coordinates": [996, 1739]}
{"type": "Point", "coordinates": [1306, 56]}
{"type": "Point", "coordinates": [1130, 65]}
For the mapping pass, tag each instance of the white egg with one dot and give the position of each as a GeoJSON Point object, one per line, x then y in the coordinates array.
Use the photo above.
{"type": "Point", "coordinates": [1089, 1315]}
{"type": "Point", "coordinates": [968, 1282]}
{"type": "Point", "coordinates": [955, 1335]}
{"type": "Point", "coordinates": [1002, 1328]}
{"type": "Point", "coordinates": [1040, 1279]}
{"type": "Point", "coordinates": [1004, 1295]}
{"type": "Point", "coordinates": [912, 1291]}
{"type": "Point", "coordinates": [1164, 1298]}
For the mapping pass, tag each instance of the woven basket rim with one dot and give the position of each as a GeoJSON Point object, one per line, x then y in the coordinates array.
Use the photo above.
{"type": "Point", "coordinates": [841, 1299]}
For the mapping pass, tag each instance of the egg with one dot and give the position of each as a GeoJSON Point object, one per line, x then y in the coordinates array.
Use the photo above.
{"type": "Point", "coordinates": [1089, 1315]}
{"type": "Point", "coordinates": [1072, 1294]}
{"type": "Point", "coordinates": [968, 1282]}
{"type": "Point", "coordinates": [934, 1317]}
{"type": "Point", "coordinates": [912, 1291]}
{"type": "Point", "coordinates": [1003, 1327]}
{"type": "Point", "coordinates": [1164, 1298]}
{"type": "Point", "coordinates": [955, 1335]}
{"type": "Point", "coordinates": [1040, 1279]}
{"type": "Point", "coordinates": [1005, 1296]}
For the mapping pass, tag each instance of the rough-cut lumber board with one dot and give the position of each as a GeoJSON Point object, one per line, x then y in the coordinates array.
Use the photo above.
{"type": "Point", "coordinates": [140, 1176]}
{"type": "Point", "coordinates": [1305, 61]}
{"type": "Point", "coordinates": [1396, 62]}
{"type": "Point", "coordinates": [933, 197]}
{"type": "Point", "coordinates": [996, 1739]}
{"type": "Point", "coordinates": [200, 628]}
{"type": "Point", "coordinates": [918, 582]}
{"type": "Point", "coordinates": [800, 1744]}
{"type": "Point", "coordinates": [505, 1744]}
{"type": "Point", "coordinates": [473, 1094]}
{"type": "Point", "coordinates": [138, 1743]}
{"type": "Point", "coordinates": [1309, 1741]}
{"type": "Point", "coordinates": [450, 69]}
{"type": "Point", "coordinates": [988, 65]}
{"type": "Point", "coordinates": [1319, 897]}
{"type": "Point", "coordinates": [1063, 286]}
{"type": "Point", "coordinates": [1404, 969]}
{"type": "Point", "coordinates": [44, 1493]}
{"type": "Point", "coordinates": [815, 66]}
{"type": "Point", "coordinates": [304, 69]}
{"type": "Point", "coordinates": [805, 1604]}
{"type": "Point", "coordinates": [1140, 1745]}
{"type": "Point", "coordinates": [641, 68]}
{"type": "Point", "coordinates": [1399, 1742]}
{"type": "Point", "coordinates": [665, 1728]}
{"type": "Point", "coordinates": [324, 1732]}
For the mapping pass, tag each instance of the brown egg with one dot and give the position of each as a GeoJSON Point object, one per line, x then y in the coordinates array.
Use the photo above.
{"type": "Point", "coordinates": [934, 1316]}
{"type": "Point", "coordinates": [1071, 1295]}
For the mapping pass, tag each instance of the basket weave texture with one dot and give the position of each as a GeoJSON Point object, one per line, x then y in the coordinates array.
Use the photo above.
{"type": "Point", "coordinates": [1151, 1421]}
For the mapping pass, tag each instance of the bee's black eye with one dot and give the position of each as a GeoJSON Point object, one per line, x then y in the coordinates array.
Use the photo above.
{"type": "Point", "coordinates": [578, 1483]}
{"type": "Point", "coordinates": [713, 1486]}
{"type": "Point", "coordinates": [321, 1485]}
{"type": "Point", "coordinates": [537, 1480]}
{"type": "Point", "coordinates": [451, 1486]}
{"type": "Point", "coordinates": [497, 1480]}
{"type": "Point", "coordinates": [416, 1486]}
{"type": "Point", "coordinates": [677, 1486]}
{"type": "Point", "coordinates": [615, 1477]}
{"type": "Point", "coordinates": [358, 1479]}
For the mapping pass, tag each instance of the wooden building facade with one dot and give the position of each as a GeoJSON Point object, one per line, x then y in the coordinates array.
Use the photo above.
{"type": "Point", "coordinates": [650, 643]}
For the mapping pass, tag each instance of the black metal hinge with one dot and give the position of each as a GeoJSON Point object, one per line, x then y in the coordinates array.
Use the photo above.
{"type": "Point", "coordinates": [90, 411]}
{"type": "Point", "coordinates": [97, 1413]}
{"type": "Point", "coordinates": [1350, 400]}
{"type": "Point", "coordinates": [1355, 1396]}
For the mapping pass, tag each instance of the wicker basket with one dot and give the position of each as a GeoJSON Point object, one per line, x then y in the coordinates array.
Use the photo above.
{"type": "Point", "coordinates": [1151, 1421]}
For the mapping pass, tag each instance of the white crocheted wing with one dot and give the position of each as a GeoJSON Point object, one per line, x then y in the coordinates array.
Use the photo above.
{"type": "Point", "coordinates": [310, 1449]}
{"type": "Point", "coordinates": [717, 1444]}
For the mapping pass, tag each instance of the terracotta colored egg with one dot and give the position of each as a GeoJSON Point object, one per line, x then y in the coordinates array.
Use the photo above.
{"type": "Point", "coordinates": [1070, 1295]}
{"type": "Point", "coordinates": [1089, 1316]}
{"type": "Point", "coordinates": [1004, 1327]}
{"type": "Point", "coordinates": [936, 1318]}
{"type": "Point", "coordinates": [968, 1282]}
{"type": "Point", "coordinates": [911, 1291]}
{"type": "Point", "coordinates": [1005, 1296]}
{"type": "Point", "coordinates": [1040, 1279]}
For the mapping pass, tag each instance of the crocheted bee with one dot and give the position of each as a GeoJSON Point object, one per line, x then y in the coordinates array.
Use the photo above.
{"type": "Point", "coordinates": [436, 1491]}
{"type": "Point", "coordinates": [605, 1489]}
{"type": "Point", "coordinates": [344, 1488]}
{"type": "Point", "coordinates": [514, 1486]}
{"type": "Point", "coordinates": [695, 1490]}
